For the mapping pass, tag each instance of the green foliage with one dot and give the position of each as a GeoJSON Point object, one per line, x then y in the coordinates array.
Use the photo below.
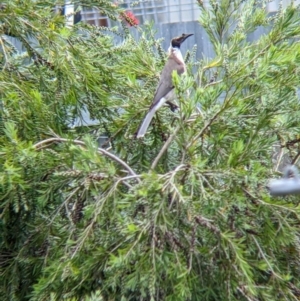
{"type": "Point", "coordinates": [183, 214]}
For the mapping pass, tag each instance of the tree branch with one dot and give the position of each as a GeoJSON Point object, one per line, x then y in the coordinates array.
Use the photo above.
{"type": "Point", "coordinates": [164, 148]}
{"type": "Point", "coordinates": [44, 143]}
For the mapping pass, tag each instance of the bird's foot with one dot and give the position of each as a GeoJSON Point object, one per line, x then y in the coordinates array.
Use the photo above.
{"type": "Point", "coordinates": [172, 106]}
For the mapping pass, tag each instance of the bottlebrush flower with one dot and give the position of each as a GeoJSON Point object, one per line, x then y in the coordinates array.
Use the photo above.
{"type": "Point", "coordinates": [129, 18]}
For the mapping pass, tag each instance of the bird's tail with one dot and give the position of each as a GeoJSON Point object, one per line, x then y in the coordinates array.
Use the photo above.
{"type": "Point", "coordinates": [146, 122]}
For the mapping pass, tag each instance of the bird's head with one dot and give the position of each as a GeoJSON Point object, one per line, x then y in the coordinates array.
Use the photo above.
{"type": "Point", "coordinates": [176, 42]}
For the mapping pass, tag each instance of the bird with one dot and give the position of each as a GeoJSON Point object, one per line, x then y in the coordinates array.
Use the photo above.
{"type": "Point", "coordinates": [165, 90]}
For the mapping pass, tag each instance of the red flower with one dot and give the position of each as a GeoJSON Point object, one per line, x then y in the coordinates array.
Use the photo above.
{"type": "Point", "coordinates": [130, 18]}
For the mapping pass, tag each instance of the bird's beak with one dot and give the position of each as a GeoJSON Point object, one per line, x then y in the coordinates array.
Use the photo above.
{"type": "Point", "coordinates": [185, 36]}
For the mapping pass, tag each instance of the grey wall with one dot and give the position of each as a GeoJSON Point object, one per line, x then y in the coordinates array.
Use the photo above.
{"type": "Point", "coordinates": [200, 38]}
{"type": "Point", "coordinates": [170, 30]}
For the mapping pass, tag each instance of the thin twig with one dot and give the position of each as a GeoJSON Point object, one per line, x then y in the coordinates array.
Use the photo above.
{"type": "Point", "coordinates": [165, 147]}
{"type": "Point", "coordinates": [265, 258]}
{"type": "Point", "coordinates": [102, 199]}
{"type": "Point", "coordinates": [290, 143]}
{"type": "Point", "coordinates": [294, 161]}
{"type": "Point", "coordinates": [279, 161]}
{"type": "Point", "coordinates": [212, 119]}
{"type": "Point", "coordinates": [200, 220]}
{"type": "Point", "coordinates": [44, 143]}
{"type": "Point", "coordinates": [245, 295]}
{"type": "Point", "coordinates": [4, 52]}
{"type": "Point", "coordinates": [213, 83]}
{"type": "Point", "coordinates": [63, 204]}
{"type": "Point", "coordinates": [256, 199]}
{"type": "Point", "coordinates": [252, 60]}
{"type": "Point", "coordinates": [125, 179]}
{"type": "Point", "coordinates": [200, 134]}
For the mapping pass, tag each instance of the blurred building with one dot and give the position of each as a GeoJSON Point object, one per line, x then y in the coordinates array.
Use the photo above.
{"type": "Point", "coordinates": [158, 11]}
{"type": "Point", "coordinates": [164, 11]}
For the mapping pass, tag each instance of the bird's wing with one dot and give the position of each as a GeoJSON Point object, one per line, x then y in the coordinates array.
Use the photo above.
{"type": "Point", "coordinates": [165, 84]}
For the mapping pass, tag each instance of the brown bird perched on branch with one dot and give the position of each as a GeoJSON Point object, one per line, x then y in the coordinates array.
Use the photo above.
{"type": "Point", "coordinates": [165, 89]}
